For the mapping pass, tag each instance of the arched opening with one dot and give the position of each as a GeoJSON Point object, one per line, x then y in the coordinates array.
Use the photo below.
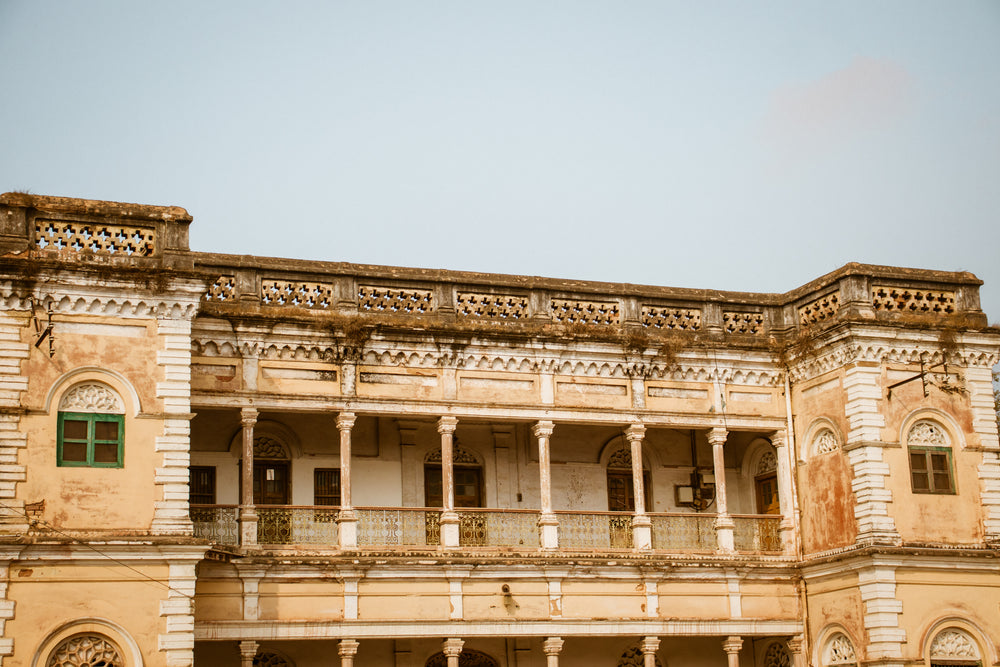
{"type": "Point", "coordinates": [838, 651]}
{"type": "Point", "coordinates": [621, 492]}
{"type": "Point", "coordinates": [953, 647]}
{"type": "Point", "coordinates": [632, 657]}
{"type": "Point", "coordinates": [468, 473]}
{"type": "Point", "coordinates": [468, 658]}
{"type": "Point", "coordinates": [86, 649]}
{"type": "Point", "coordinates": [269, 658]}
{"type": "Point", "coordinates": [765, 480]}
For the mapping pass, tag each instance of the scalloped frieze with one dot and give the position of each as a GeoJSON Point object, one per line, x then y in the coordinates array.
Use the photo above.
{"type": "Point", "coordinates": [99, 305]}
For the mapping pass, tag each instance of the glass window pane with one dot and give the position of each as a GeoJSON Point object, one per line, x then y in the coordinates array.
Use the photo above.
{"type": "Point", "coordinates": [75, 452]}
{"type": "Point", "coordinates": [106, 452]}
{"type": "Point", "coordinates": [939, 462]}
{"type": "Point", "coordinates": [942, 482]}
{"type": "Point", "coordinates": [106, 431]}
{"type": "Point", "coordinates": [75, 429]}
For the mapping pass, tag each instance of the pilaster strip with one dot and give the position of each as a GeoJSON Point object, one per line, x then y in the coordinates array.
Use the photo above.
{"type": "Point", "coordinates": [877, 585]}
{"type": "Point", "coordinates": [13, 352]}
{"type": "Point", "coordinates": [178, 610]}
{"type": "Point", "coordinates": [871, 494]}
{"type": "Point", "coordinates": [173, 475]}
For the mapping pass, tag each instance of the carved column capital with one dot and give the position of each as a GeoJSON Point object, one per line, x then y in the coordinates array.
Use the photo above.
{"type": "Point", "coordinates": [248, 650]}
{"type": "Point", "coordinates": [795, 644]}
{"type": "Point", "coordinates": [650, 645]}
{"type": "Point", "coordinates": [718, 436]}
{"type": "Point", "coordinates": [552, 646]}
{"type": "Point", "coordinates": [345, 421]}
{"type": "Point", "coordinates": [248, 416]}
{"type": "Point", "coordinates": [779, 438]}
{"type": "Point", "coordinates": [635, 432]}
{"type": "Point", "coordinates": [732, 645]}
{"type": "Point", "coordinates": [348, 648]}
{"type": "Point", "coordinates": [542, 429]}
{"type": "Point", "coordinates": [452, 648]}
{"type": "Point", "coordinates": [447, 425]}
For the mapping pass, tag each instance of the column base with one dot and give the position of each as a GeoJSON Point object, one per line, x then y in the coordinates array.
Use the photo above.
{"type": "Point", "coordinates": [642, 532]}
{"type": "Point", "coordinates": [248, 527]}
{"type": "Point", "coordinates": [347, 529]}
{"type": "Point", "coordinates": [548, 531]}
{"type": "Point", "coordinates": [449, 529]}
{"type": "Point", "coordinates": [724, 534]}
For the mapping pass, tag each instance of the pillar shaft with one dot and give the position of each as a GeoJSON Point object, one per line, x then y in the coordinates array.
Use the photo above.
{"type": "Point", "coordinates": [345, 422]}
{"type": "Point", "coordinates": [248, 513]}
{"type": "Point", "coordinates": [723, 523]}
{"type": "Point", "coordinates": [552, 647]}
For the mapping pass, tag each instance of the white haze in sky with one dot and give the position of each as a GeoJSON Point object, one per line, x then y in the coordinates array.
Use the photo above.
{"type": "Point", "coordinates": [735, 145]}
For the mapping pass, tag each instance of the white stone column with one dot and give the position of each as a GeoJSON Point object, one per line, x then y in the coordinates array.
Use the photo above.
{"type": "Point", "coordinates": [347, 520]}
{"type": "Point", "coordinates": [649, 646]}
{"type": "Point", "coordinates": [641, 525]}
{"type": "Point", "coordinates": [787, 527]}
{"type": "Point", "coordinates": [452, 648]}
{"type": "Point", "coordinates": [449, 517]}
{"type": "Point", "coordinates": [547, 522]}
{"type": "Point", "coordinates": [732, 646]}
{"type": "Point", "coordinates": [723, 523]}
{"type": "Point", "coordinates": [795, 645]}
{"type": "Point", "coordinates": [248, 513]}
{"type": "Point", "coordinates": [551, 647]}
{"type": "Point", "coordinates": [248, 650]}
{"type": "Point", "coordinates": [348, 648]}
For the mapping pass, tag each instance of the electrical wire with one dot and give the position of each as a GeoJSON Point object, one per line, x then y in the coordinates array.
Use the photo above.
{"type": "Point", "coordinates": [36, 522]}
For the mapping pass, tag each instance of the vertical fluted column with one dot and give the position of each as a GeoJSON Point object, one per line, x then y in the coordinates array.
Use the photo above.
{"type": "Point", "coordinates": [449, 517]}
{"type": "Point", "coordinates": [548, 524]}
{"type": "Point", "coordinates": [785, 471]}
{"type": "Point", "coordinates": [641, 524]}
{"type": "Point", "coordinates": [452, 648]}
{"type": "Point", "coordinates": [552, 647]}
{"type": "Point", "coordinates": [347, 520]}
{"type": "Point", "coordinates": [348, 648]}
{"type": "Point", "coordinates": [649, 647]}
{"type": "Point", "coordinates": [248, 651]}
{"type": "Point", "coordinates": [732, 646]}
{"type": "Point", "coordinates": [723, 523]}
{"type": "Point", "coordinates": [248, 513]}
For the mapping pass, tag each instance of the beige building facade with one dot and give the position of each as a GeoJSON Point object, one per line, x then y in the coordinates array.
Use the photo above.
{"type": "Point", "coordinates": [226, 460]}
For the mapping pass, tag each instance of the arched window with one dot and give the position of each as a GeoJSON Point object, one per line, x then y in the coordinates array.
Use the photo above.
{"type": "Point", "coordinates": [777, 656]}
{"type": "Point", "coordinates": [632, 657]}
{"type": "Point", "coordinates": [839, 651]}
{"type": "Point", "coordinates": [86, 650]}
{"type": "Point", "coordinates": [468, 478]}
{"type": "Point", "coordinates": [952, 646]}
{"type": "Point", "coordinates": [467, 658]}
{"type": "Point", "coordinates": [91, 427]}
{"type": "Point", "coordinates": [621, 494]}
{"type": "Point", "coordinates": [268, 658]}
{"type": "Point", "coordinates": [929, 449]}
{"type": "Point", "coordinates": [766, 483]}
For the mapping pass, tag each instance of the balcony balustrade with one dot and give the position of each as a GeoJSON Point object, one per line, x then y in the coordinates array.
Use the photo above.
{"type": "Point", "coordinates": [380, 527]}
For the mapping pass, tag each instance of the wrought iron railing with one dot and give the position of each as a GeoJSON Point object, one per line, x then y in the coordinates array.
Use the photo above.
{"type": "Point", "coordinates": [595, 530]}
{"type": "Point", "coordinates": [216, 523]}
{"type": "Point", "coordinates": [398, 526]}
{"type": "Point", "coordinates": [286, 524]}
{"type": "Point", "coordinates": [498, 528]}
{"type": "Point", "coordinates": [681, 532]}
{"type": "Point", "coordinates": [757, 532]}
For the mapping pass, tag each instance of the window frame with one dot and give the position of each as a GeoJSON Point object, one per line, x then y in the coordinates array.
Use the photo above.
{"type": "Point", "coordinates": [316, 495]}
{"type": "Point", "coordinates": [213, 483]}
{"type": "Point", "coordinates": [929, 471]}
{"type": "Point", "coordinates": [91, 418]}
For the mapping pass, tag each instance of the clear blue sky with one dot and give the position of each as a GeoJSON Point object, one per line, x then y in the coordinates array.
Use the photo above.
{"type": "Point", "coordinates": [732, 145]}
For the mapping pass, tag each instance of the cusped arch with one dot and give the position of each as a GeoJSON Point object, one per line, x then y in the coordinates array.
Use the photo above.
{"type": "Point", "coordinates": [467, 658]}
{"type": "Point", "coordinates": [114, 380]}
{"type": "Point", "coordinates": [616, 452]}
{"type": "Point", "coordinates": [269, 657]}
{"type": "Point", "coordinates": [760, 458]}
{"type": "Point", "coordinates": [78, 642]}
{"type": "Point", "coordinates": [459, 456]}
{"type": "Point", "coordinates": [271, 440]}
{"type": "Point", "coordinates": [633, 657]}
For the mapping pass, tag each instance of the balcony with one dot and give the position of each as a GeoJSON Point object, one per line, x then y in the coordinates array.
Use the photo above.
{"type": "Point", "coordinates": [418, 528]}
